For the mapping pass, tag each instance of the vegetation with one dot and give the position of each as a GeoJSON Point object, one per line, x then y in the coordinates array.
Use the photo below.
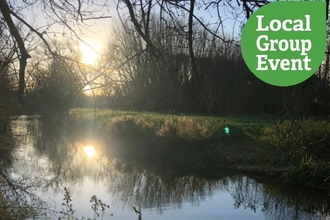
{"type": "Point", "coordinates": [199, 142]}
{"type": "Point", "coordinates": [68, 211]}
{"type": "Point", "coordinates": [305, 145]}
{"type": "Point", "coordinates": [145, 67]}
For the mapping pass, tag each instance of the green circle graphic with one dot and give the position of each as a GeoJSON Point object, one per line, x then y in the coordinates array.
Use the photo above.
{"type": "Point", "coordinates": [283, 43]}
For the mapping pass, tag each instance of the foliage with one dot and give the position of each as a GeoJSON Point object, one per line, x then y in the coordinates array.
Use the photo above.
{"type": "Point", "coordinates": [304, 144]}
{"type": "Point", "coordinates": [67, 209]}
{"type": "Point", "coordinates": [98, 206]}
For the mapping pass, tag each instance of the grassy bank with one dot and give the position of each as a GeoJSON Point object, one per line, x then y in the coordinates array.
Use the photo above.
{"type": "Point", "coordinates": [199, 142]}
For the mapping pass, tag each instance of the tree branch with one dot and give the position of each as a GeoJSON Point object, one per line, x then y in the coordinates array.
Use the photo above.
{"type": "Point", "coordinates": [18, 38]}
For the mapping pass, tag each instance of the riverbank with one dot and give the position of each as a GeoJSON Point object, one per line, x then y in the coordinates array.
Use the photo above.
{"type": "Point", "coordinates": [299, 148]}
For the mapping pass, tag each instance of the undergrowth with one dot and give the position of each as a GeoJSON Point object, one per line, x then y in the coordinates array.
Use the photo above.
{"type": "Point", "coordinates": [304, 144]}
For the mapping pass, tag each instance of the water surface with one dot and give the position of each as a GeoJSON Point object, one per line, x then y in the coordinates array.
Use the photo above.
{"type": "Point", "coordinates": [53, 161]}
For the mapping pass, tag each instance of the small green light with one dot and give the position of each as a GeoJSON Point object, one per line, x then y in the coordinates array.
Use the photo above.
{"type": "Point", "coordinates": [226, 130]}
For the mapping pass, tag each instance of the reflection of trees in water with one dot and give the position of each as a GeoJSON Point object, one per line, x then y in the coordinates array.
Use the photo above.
{"type": "Point", "coordinates": [7, 144]}
{"type": "Point", "coordinates": [278, 203]}
{"type": "Point", "coordinates": [151, 190]}
{"type": "Point", "coordinates": [60, 161]}
{"type": "Point", "coordinates": [43, 155]}
{"type": "Point", "coordinates": [47, 154]}
{"type": "Point", "coordinates": [17, 200]}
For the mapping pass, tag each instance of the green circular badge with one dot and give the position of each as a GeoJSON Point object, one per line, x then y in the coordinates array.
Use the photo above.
{"type": "Point", "coordinates": [283, 43]}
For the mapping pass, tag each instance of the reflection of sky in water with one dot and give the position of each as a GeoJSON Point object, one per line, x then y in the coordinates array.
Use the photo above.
{"type": "Point", "coordinates": [121, 185]}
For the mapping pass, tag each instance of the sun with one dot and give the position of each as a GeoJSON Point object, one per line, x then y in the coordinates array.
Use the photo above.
{"type": "Point", "coordinates": [90, 51]}
{"type": "Point", "coordinates": [89, 151]}
{"type": "Point", "coordinates": [88, 90]}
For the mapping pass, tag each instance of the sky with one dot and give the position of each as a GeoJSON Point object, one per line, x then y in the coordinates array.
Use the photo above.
{"type": "Point", "coordinates": [94, 38]}
{"type": "Point", "coordinates": [98, 30]}
{"type": "Point", "coordinates": [101, 30]}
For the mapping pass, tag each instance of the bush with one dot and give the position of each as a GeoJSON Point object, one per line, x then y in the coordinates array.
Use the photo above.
{"type": "Point", "coordinates": [302, 139]}
{"type": "Point", "coordinates": [306, 145]}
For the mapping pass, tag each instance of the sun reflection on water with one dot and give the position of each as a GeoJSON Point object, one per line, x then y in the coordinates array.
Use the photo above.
{"type": "Point", "coordinates": [89, 151]}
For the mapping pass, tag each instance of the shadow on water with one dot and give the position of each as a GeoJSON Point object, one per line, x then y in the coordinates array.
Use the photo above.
{"type": "Point", "coordinates": [46, 151]}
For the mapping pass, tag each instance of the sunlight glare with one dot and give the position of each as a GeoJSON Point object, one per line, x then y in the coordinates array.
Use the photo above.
{"type": "Point", "coordinates": [88, 90]}
{"type": "Point", "coordinates": [89, 151]}
{"type": "Point", "coordinates": [90, 52]}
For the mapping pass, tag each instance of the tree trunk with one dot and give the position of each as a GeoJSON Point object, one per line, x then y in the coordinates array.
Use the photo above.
{"type": "Point", "coordinates": [24, 54]}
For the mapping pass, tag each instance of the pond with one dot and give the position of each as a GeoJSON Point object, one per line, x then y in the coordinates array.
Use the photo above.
{"type": "Point", "coordinates": [135, 191]}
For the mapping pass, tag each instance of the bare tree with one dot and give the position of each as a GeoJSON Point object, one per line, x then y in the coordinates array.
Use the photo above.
{"type": "Point", "coordinates": [171, 14]}
{"type": "Point", "coordinates": [71, 14]}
